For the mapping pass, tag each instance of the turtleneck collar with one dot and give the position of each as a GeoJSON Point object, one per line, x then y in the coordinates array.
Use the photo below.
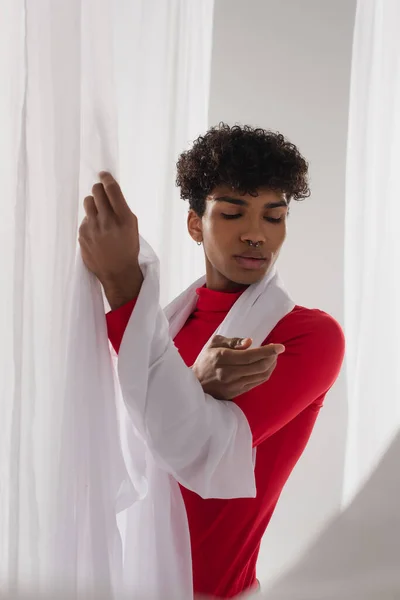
{"type": "Point", "coordinates": [215, 301]}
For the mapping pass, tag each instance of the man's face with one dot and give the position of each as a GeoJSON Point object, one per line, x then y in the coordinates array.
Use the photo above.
{"type": "Point", "coordinates": [242, 235]}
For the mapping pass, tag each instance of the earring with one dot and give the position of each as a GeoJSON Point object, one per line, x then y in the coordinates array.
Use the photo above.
{"type": "Point", "coordinates": [198, 243]}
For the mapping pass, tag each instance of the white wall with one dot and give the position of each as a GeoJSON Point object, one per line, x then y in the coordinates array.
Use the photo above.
{"type": "Point", "coordinates": [285, 65]}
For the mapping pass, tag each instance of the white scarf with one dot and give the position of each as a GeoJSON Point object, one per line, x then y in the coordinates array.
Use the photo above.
{"type": "Point", "coordinates": [190, 438]}
{"type": "Point", "coordinates": [123, 486]}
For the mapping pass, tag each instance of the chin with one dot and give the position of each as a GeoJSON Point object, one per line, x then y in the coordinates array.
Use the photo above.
{"type": "Point", "coordinates": [247, 277]}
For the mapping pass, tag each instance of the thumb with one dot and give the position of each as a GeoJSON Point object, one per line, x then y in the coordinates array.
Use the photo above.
{"type": "Point", "coordinates": [220, 341]}
{"type": "Point", "coordinates": [276, 348]}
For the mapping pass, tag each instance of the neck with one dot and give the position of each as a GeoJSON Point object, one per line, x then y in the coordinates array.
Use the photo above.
{"type": "Point", "coordinates": [218, 283]}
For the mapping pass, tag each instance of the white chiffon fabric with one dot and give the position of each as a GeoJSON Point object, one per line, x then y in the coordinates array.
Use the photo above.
{"type": "Point", "coordinates": [90, 505]}
{"type": "Point", "coordinates": [188, 437]}
{"type": "Point", "coordinates": [163, 65]}
{"type": "Point", "coordinates": [372, 252]}
{"type": "Point", "coordinates": [62, 474]}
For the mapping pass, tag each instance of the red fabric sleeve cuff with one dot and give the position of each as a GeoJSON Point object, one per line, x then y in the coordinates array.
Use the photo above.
{"type": "Point", "coordinates": [117, 321]}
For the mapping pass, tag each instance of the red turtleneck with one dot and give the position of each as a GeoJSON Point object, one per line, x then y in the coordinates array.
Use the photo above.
{"type": "Point", "coordinates": [226, 534]}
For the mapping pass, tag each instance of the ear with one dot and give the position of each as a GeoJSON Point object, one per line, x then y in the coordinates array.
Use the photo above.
{"type": "Point", "coordinates": [195, 226]}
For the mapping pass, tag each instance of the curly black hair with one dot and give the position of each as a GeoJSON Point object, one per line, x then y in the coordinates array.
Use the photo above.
{"type": "Point", "coordinates": [244, 158]}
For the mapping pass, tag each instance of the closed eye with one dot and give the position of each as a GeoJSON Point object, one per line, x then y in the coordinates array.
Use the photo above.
{"type": "Point", "coordinates": [269, 219]}
{"type": "Point", "coordinates": [273, 220]}
{"type": "Point", "coordinates": [236, 216]}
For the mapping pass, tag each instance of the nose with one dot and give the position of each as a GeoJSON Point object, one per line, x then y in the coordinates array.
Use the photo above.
{"type": "Point", "coordinates": [253, 235]}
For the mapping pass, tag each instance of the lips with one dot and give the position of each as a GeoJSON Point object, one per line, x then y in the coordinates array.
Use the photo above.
{"type": "Point", "coordinates": [251, 261]}
{"type": "Point", "coordinates": [252, 254]}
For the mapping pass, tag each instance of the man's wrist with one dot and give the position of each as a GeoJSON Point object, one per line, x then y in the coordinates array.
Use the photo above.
{"type": "Point", "coordinates": [123, 289]}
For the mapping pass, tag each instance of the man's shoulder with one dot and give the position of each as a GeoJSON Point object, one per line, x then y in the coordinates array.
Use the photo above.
{"type": "Point", "coordinates": [308, 324]}
{"type": "Point", "coordinates": [310, 317]}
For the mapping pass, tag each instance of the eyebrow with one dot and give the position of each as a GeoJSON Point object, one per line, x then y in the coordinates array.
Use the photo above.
{"type": "Point", "coordinates": [238, 202]}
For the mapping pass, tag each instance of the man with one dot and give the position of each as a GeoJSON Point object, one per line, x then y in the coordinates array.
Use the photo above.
{"type": "Point", "coordinates": [239, 182]}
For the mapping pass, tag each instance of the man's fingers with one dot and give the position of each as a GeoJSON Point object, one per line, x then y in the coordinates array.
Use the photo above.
{"type": "Point", "coordinates": [251, 382]}
{"type": "Point", "coordinates": [101, 201]}
{"type": "Point", "coordinates": [114, 194]}
{"type": "Point", "coordinates": [259, 368]}
{"type": "Point", "coordinates": [238, 373]}
{"type": "Point", "coordinates": [219, 341]}
{"type": "Point", "coordinates": [247, 383]}
{"type": "Point", "coordinates": [243, 343]}
{"type": "Point", "coordinates": [252, 355]}
{"type": "Point", "coordinates": [90, 207]}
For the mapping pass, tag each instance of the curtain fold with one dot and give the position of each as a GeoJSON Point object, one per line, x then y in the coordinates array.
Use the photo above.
{"type": "Point", "coordinates": [372, 282]}
{"type": "Point", "coordinates": [163, 52]}
{"type": "Point", "coordinates": [77, 98]}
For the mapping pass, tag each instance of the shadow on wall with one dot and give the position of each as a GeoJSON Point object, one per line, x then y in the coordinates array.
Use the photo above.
{"type": "Point", "coordinates": [357, 556]}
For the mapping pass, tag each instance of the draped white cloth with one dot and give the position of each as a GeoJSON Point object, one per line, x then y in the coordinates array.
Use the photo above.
{"type": "Point", "coordinates": [58, 120]}
{"type": "Point", "coordinates": [65, 476]}
{"type": "Point", "coordinates": [61, 469]}
{"type": "Point", "coordinates": [188, 437]}
{"type": "Point", "coordinates": [355, 558]}
{"type": "Point", "coordinates": [163, 63]}
{"type": "Point", "coordinates": [372, 254]}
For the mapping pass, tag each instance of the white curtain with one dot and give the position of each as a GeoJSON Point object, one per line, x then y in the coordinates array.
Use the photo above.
{"type": "Point", "coordinates": [163, 51]}
{"type": "Point", "coordinates": [372, 254]}
{"type": "Point", "coordinates": [357, 554]}
{"type": "Point", "coordinates": [76, 76]}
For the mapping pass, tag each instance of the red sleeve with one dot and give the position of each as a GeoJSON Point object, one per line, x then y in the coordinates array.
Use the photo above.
{"type": "Point", "coordinates": [117, 321]}
{"type": "Point", "coordinates": [304, 373]}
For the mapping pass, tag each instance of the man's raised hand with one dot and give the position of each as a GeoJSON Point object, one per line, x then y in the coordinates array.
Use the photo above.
{"type": "Point", "coordinates": [109, 241]}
